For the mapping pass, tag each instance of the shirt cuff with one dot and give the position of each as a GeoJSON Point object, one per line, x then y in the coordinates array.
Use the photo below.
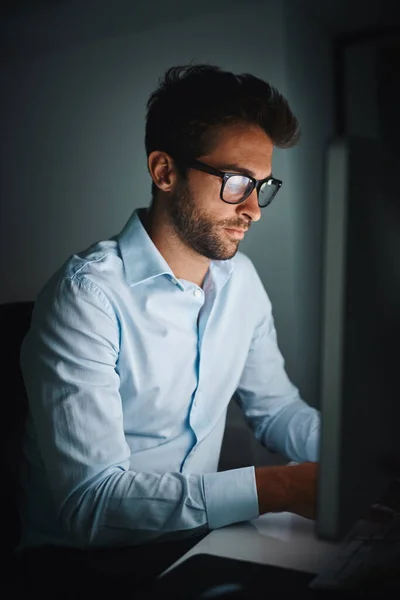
{"type": "Point", "coordinates": [231, 496]}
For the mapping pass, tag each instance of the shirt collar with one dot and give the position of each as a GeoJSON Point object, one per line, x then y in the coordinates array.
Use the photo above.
{"type": "Point", "coordinates": [143, 261]}
{"type": "Point", "coordinates": [141, 258]}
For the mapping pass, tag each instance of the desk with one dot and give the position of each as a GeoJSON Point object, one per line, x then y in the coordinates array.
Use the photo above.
{"type": "Point", "coordinates": [279, 539]}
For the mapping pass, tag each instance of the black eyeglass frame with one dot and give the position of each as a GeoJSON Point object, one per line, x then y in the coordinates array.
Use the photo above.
{"type": "Point", "coordinates": [224, 175]}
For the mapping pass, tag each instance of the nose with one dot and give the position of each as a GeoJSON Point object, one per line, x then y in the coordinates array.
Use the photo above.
{"type": "Point", "coordinates": [250, 208]}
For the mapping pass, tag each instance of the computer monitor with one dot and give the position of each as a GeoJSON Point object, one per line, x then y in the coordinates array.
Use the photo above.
{"type": "Point", "coordinates": [360, 346]}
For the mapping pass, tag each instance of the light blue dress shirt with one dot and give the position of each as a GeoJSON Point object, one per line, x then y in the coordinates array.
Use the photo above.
{"type": "Point", "coordinates": [129, 372]}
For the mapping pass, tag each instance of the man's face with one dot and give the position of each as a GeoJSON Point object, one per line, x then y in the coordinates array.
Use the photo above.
{"type": "Point", "coordinates": [201, 219]}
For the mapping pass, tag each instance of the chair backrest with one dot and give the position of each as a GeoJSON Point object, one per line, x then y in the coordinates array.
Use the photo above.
{"type": "Point", "coordinates": [15, 318]}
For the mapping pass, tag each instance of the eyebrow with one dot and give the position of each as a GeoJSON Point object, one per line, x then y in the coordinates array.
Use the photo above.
{"type": "Point", "coordinates": [241, 170]}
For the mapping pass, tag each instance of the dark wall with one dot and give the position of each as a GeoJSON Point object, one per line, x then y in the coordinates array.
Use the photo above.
{"type": "Point", "coordinates": [388, 92]}
{"type": "Point", "coordinates": [367, 84]}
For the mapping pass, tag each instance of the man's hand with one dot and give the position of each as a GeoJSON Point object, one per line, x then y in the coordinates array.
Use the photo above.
{"type": "Point", "coordinates": [288, 489]}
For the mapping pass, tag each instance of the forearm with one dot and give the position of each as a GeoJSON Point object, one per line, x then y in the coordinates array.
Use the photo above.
{"type": "Point", "coordinates": [135, 508]}
{"type": "Point", "coordinates": [272, 489]}
{"type": "Point", "coordinates": [140, 507]}
{"type": "Point", "coordinates": [287, 489]}
{"type": "Point", "coordinates": [288, 426]}
{"type": "Point", "coordinates": [294, 431]}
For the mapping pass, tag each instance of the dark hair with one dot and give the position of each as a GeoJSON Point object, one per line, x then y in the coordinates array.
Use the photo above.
{"type": "Point", "coordinates": [192, 102]}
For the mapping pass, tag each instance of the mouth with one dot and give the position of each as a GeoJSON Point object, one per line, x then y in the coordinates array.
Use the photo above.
{"type": "Point", "coordinates": [236, 233]}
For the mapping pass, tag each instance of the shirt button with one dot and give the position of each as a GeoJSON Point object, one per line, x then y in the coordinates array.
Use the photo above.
{"type": "Point", "coordinates": [196, 293]}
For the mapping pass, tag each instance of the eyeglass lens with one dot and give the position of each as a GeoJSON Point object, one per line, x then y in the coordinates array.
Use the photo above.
{"type": "Point", "coordinates": [238, 187]}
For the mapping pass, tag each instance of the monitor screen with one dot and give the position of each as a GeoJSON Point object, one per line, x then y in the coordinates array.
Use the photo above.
{"type": "Point", "coordinates": [360, 333]}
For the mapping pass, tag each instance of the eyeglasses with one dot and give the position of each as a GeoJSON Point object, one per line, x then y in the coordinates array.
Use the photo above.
{"type": "Point", "coordinates": [237, 187]}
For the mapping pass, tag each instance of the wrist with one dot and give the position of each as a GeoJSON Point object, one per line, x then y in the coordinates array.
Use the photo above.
{"type": "Point", "coordinates": [273, 489]}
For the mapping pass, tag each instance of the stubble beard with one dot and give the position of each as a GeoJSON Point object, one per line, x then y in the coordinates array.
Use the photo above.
{"type": "Point", "coordinates": [197, 229]}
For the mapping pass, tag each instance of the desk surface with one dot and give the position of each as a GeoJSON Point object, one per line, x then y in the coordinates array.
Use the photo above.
{"type": "Point", "coordinates": [280, 539]}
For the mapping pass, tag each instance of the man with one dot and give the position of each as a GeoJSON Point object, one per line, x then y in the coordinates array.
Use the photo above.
{"type": "Point", "coordinates": [138, 344]}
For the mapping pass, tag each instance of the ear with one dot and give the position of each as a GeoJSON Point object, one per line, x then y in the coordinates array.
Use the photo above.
{"type": "Point", "coordinates": [162, 170]}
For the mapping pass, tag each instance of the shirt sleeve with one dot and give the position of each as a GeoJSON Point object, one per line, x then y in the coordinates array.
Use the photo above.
{"type": "Point", "coordinates": [280, 419]}
{"type": "Point", "coordinates": [68, 361]}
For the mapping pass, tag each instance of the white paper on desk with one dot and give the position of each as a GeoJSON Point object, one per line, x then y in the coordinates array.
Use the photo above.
{"type": "Point", "coordinates": [275, 525]}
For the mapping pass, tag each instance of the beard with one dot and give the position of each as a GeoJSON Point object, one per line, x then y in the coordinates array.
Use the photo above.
{"type": "Point", "coordinates": [198, 229]}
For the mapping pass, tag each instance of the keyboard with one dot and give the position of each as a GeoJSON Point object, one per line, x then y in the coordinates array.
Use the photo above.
{"type": "Point", "coordinates": [369, 556]}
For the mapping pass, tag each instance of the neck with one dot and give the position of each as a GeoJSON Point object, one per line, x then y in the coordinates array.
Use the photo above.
{"type": "Point", "coordinates": [184, 262]}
